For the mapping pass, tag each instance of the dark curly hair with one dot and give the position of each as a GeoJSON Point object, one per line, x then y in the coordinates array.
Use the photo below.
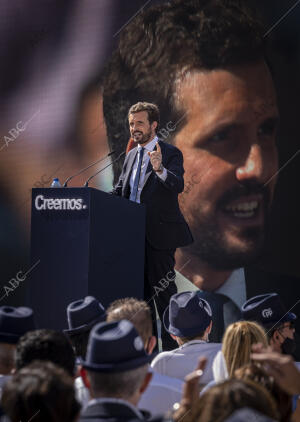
{"type": "Point", "coordinates": [48, 345]}
{"type": "Point", "coordinates": [164, 42]}
{"type": "Point", "coordinates": [42, 392]}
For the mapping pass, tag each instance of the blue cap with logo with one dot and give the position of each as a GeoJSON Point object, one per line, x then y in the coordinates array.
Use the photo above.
{"type": "Point", "coordinates": [187, 315]}
{"type": "Point", "coordinates": [267, 310]}
{"type": "Point", "coordinates": [115, 347]}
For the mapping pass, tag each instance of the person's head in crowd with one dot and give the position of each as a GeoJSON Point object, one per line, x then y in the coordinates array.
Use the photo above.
{"type": "Point", "coordinates": [116, 364]}
{"type": "Point", "coordinates": [254, 372]}
{"type": "Point", "coordinates": [188, 317]}
{"type": "Point", "coordinates": [14, 323]}
{"type": "Point", "coordinates": [41, 391]}
{"type": "Point", "coordinates": [223, 399]}
{"type": "Point", "coordinates": [82, 315]}
{"type": "Point", "coordinates": [269, 311]}
{"type": "Point", "coordinates": [205, 58]}
{"type": "Point", "coordinates": [139, 313]}
{"type": "Point", "coordinates": [237, 342]}
{"type": "Point", "coordinates": [49, 345]}
{"type": "Point", "coordinates": [282, 338]}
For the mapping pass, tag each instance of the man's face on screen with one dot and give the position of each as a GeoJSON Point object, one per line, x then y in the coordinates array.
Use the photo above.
{"type": "Point", "coordinates": [230, 158]}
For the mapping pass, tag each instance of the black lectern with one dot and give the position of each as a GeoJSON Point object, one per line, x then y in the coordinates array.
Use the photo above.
{"type": "Point", "coordinates": [83, 242]}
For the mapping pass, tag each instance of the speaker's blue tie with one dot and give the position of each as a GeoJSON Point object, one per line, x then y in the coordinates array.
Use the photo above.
{"type": "Point", "coordinates": [134, 191]}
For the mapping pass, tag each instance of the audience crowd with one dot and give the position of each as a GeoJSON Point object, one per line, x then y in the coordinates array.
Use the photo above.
{"type": "Point", "coordinates": [105, 366]}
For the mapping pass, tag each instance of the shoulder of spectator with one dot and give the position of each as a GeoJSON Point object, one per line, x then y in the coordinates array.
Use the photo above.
{"type": "Point", "coordinates": [162, 355]}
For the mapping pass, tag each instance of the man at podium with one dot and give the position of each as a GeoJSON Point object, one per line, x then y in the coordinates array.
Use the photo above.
{"type": "Point", "coordinates": [152, 174]}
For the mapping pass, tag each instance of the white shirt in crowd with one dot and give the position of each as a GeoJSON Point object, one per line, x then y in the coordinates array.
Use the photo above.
{"type": "Point", "coordinates": [82, 393]}
{"type": "Point", "coordinates": [161, 394]}
{"type": "Point", "coordinates": [220, 372]}
{"type": "Point", "coordinates": [180, 362]}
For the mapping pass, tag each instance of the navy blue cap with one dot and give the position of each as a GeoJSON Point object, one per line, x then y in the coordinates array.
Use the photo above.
{"type": "Point", "coordinates": [187, 315]}
{"type": "Point", "coordinates": [266, 309]}
{"type": "Point", "coordinates": [83, 314]}
{"type": "Point", "coordinates": [14, 323]}
{"type": "Point", "coordinates": [115, 347]}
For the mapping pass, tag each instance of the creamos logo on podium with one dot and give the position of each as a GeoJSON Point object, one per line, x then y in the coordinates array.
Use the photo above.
{"type": "Point", "coordinates": [41, 203]}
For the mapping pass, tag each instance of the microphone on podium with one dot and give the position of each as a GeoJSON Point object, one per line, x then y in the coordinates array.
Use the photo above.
{"type": "Point", "coordinates": [99, 171]}
{"type": "Point", "coordinates": [86, 168]}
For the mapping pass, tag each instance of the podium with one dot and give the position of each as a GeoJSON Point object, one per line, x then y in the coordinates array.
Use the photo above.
{"type": "Point", "coordinates": [83, 242]}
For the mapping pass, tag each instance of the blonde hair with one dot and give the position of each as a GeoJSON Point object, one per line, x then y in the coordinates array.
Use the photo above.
{"type": "Point", "coordinates": [134, 310]}
{"type": "Point", "coordinates": [237, 342]}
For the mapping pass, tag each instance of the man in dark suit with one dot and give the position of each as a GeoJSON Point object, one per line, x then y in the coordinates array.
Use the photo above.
{"type": "Point", "coordinates": [152, 174]}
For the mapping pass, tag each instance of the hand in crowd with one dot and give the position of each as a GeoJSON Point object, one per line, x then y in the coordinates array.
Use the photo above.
{"type": "Point", "coordinates": [281, 367]}
{"type": "Point", "coordinates": [191, 390]}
